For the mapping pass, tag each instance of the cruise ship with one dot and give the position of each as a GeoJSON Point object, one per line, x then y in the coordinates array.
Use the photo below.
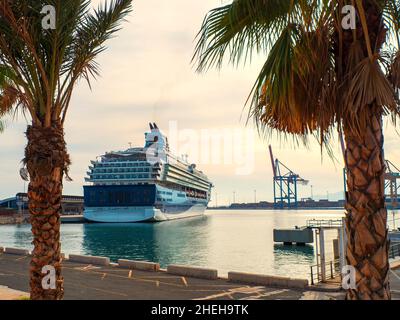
{"type": "Point", "coordinates": [146, 184]}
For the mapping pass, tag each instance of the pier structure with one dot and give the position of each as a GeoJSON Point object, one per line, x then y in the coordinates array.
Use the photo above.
{"type": "Point", "coordinates": [319, 227]}
{"type": "Point", "coordinates": [285, 184]}
{"type": "Point", "coordinates": [316, 229]}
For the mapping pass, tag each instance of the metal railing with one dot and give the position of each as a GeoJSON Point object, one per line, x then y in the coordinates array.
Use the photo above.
{"type": "Point", "coordinates": [314, 223]}
{"type": "Point", "coordinates": [332, 270]}
{"type": "Point", "coordinates": [394, 223]}
{"type": "Point", "coordinates": [394, 250]}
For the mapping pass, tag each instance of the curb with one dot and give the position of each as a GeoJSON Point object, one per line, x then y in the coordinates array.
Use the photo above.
{"type": "Point", "coordinates": [195, 272]}
{"type": "Point", "coordinates": [16, 251]}
{"type": "Point", "coordinates": [139, 265]}
{"type": "Point", "coordinates": [326, 289]}
{"type": "Point", "coordinates": [101, 261]}
{"type": "Point", "coordinates": [268, 281]}
{"type": "Point", "coordinates": [394, 264]}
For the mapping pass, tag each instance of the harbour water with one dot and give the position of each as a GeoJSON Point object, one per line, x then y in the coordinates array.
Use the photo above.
{"type": "Point", "coordinates": [226, 240]}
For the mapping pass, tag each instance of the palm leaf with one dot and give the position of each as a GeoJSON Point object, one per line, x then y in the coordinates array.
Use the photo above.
{"type": "Point", "coordinates": [368, 85]}
{"type": "Point", "coordinates": [240, 29]}
{"type": "Point", "coordinates": [295, 89]}
{"type": "Point", "coordinates": [48, 63]}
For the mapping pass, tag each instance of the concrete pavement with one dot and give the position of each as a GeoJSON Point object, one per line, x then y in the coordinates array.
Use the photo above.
{"type": "Point", "coordinates": [11, 294]}
{"type": "Point", "coordinates": [83, 281]}
{"type": "Point", "coordinates": [90, 282]}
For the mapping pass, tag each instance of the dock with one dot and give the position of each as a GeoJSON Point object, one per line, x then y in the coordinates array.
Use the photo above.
{"type": "Point", "coordinates": [95, 278]}
{"type": "Point", "coordinates": [300, 236]}
{"type": "Point", "coordinates": [100, 280]}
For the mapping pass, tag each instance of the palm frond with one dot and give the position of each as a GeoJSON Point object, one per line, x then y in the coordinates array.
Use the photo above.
{"type": "Point", "coordinates": [91, 34]}
{"type": "Point", "coordinates": [368, 85]}
{"type": "Point", "coordinates": [296, 88]}
{"type": "Point", "coordinates": [48, 63]}
{"type": "Point", "coordinates": [9, 96]}
{"type": "Point", "coordinates": [241, 29]}
{"type": "Point", "coordinates": [316, 76]}
{"type": "Point", "coordinates": [394, 71]}
{"type": "Point", "coordinates": [391, 14]}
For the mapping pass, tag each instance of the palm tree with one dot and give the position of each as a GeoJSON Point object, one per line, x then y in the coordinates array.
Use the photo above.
{"type": "Point", "coordinates": [40, 68]}
{"type": "Point", "coordinates": [323, 74]}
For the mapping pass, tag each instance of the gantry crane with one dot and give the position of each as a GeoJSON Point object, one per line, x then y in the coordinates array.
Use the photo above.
{"type": "Point", "coordinates": [392, 174]}
{"type": "Point", "coordinates": [392, 187]}
{"type": "Point", "coordinates": [285, 184]}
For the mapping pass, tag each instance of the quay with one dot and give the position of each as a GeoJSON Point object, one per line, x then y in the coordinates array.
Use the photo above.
{"type": "Point", "coordinates": [97, 279]}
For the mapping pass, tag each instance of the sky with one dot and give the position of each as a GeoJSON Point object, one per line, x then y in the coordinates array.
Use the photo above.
{"type": "Point", "coordinates": [147, 76]}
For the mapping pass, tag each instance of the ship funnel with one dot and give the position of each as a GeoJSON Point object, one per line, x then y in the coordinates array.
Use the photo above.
{"type": "Point", "coordinates": [155, 126]}
{"type": "Point", "coordinates": [151, 126]}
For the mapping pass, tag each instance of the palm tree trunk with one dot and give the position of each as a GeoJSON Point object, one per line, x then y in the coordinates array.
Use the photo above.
{"type": "Point", "coordinates": [366, 217]}
{"type": "Point", "coordinates": [46, 159]}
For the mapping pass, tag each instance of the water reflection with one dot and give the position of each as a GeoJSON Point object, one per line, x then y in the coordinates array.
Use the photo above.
{"type": "Point", "coordinates": [293, 260]}
{"type": "Point", "coordinates": [300, 253]}
{"type": "Point", "coordinates": [21, 237]}
{"type": "Point", "coordinates": [169, 242]}
{"type": "Point", "coordinates": [225, 240]}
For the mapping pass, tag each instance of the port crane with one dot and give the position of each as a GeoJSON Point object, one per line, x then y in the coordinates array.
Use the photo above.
{"type": "Point", "coordinates": [392, 187]}
{"type": "Point", "coordinates": [392, 174]}
{"type": "Point", "coordinates": [285, 184]}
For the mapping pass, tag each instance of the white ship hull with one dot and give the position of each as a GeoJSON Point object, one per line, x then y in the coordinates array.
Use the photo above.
{"type": "Point", "coordinates": [140, 214]}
